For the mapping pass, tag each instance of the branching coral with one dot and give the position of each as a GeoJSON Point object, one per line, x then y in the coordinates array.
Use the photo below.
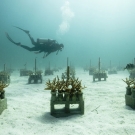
{"type": "Point", "coordinates": [70, 85]}
{"type": "Point", "coordinates": [133, 85]}
{"type": "Point", "coordinates": [3, 85]}
{"type": "Point", "coordinates": [129, 82]}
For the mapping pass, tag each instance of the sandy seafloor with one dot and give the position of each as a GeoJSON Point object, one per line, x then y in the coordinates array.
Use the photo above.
{"type": "Point", "coordinates": [28, 111]}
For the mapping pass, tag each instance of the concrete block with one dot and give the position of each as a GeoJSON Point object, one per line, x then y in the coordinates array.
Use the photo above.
{"type": "Point", "coordinates": [3, 105]}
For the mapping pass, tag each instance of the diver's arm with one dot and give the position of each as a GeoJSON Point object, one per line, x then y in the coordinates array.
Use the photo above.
{"type": "Point", "coordinates": [46, 54]}
{"type": "Point", "coordinates": [57, 52]}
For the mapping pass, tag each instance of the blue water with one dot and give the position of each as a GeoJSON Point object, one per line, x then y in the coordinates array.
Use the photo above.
{"type": "Point", "coordinates": [89, 29]}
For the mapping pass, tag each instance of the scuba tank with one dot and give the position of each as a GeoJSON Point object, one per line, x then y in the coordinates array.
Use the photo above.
{"type": "Point", "coordinates": [42, 40]}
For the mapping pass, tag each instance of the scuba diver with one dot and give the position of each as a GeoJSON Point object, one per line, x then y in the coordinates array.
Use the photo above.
{"type": "Point", "coordinates": [41, 45]}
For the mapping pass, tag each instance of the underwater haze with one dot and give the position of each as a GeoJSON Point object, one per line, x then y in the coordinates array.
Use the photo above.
{"type": "Point", "coordinates": [89, 29]}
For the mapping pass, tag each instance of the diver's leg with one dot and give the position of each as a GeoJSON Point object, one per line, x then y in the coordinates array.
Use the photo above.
{"type": "Point", "coordinates": [27, 32]}
{"type": "Point", "coordinates": [32, 40]}
{"type": "Point", "coordinates": [19, 44]}
{"type": "Point", "coordinates": [28, 48]}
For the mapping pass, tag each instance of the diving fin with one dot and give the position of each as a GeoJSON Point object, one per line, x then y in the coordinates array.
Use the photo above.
{"type": "Point", "coordinates": [11, 40]}
{"type": "Point", "coordinates": [26, 31]}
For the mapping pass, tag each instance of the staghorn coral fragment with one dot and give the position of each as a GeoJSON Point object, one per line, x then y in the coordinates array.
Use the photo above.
{"type": "Point", "coordinates": [70, 85]}
{"type": "Point", "coordinates": [3, 85]}
{"type": "Point", "coordinates": [128, 82]}
{"type": "Point", "coordinates": [133, 85]}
